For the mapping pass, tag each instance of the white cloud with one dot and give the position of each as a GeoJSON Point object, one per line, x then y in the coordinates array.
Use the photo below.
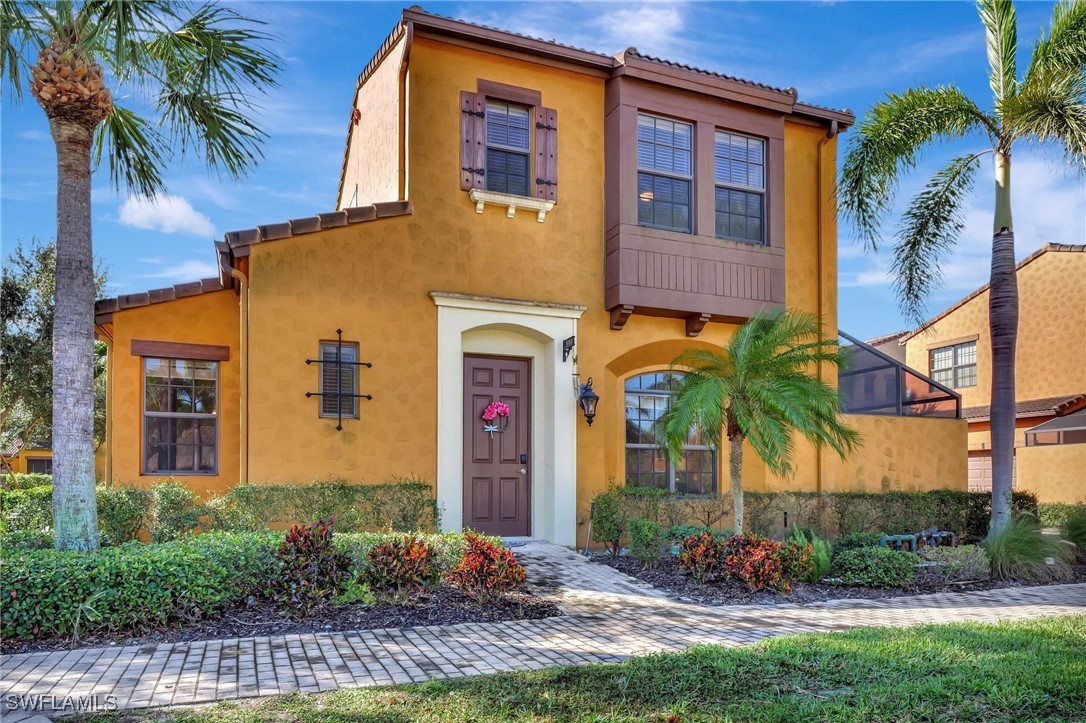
{"type": "Point", "coordinates": [183, 271]}
{"type": "Point", "coordinates": [168, 214]}
{"type": "Point", "coordinates": [32, 135]}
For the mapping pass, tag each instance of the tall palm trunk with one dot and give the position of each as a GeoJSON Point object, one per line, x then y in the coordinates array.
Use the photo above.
{"type": "Point", "coordinates": [735, 466]}
{"type": "Point", "coordinates": [75, 512]}
{"type": "Point", "coordinates": [1003, 325]}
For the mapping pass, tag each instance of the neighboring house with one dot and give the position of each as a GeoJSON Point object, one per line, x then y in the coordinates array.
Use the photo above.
{"type": "Point", "coordinates": [516, 219]}
{"type": "Point", "coordinates": [33, 458]}
{"type": "Point", "coordinates": [1050, 381]}
{"type": "Point", "coordinates": [890, 345]}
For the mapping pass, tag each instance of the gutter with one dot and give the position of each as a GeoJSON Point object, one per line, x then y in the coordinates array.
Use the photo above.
{"type": "Point", "coordinates": [110, 376]}
{"type": "Point", "coordinates": [243, 323]}
{"type": "Point", "coordinates": [409, 38]}
{"type": "Point", "coordinates": [822, 201]}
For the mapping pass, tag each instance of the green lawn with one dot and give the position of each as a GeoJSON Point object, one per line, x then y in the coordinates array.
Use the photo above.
{"type": "Point", "coordinates": [964, 672]}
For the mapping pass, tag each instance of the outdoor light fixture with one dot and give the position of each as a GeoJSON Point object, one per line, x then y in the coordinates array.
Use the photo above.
{"type": "Point", "coordinates": [588, 399]}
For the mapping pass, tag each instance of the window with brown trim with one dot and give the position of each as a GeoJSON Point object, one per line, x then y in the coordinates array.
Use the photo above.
{"type": "Point", "coordinates": [508, 148]}
{"type": "Point", "coordinates": [739, 173]}
{"type": "Point", "coordinates": [954, 366]}
{"type": "Point", "coordinates": [665, 173]}
{"type": "Point", "coordinates": [180, 416]}
{"type": "Point", "coordinates": [338, 380]}
{"type": "Point", "coordinates": [39, 465]}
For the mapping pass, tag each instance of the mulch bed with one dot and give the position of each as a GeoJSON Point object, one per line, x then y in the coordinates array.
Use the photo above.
{"type": "Point", "coordinates": [444, 606]}
{"type": "Point", "coordinates": [667, 576]}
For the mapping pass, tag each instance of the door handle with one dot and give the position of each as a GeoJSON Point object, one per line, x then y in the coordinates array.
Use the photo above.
{"type": "Point", "coordinates": [524, 470]}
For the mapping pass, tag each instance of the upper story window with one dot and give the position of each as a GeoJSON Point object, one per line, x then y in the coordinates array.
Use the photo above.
{"type": "Point", "coordinates": [647, 398]}
{"type": "Point", "coordinates": [508, 148]}
{"type": "Point", "coordinates": [955, 366]}
{"type": "Point", "coordinates": [740, 188]}
{"type": "Point", "coordinates": [665, 174]}
{"type": "Point", "coordinates": [339, 381]}
{"type": "Point", "coordinates": [180, 416]}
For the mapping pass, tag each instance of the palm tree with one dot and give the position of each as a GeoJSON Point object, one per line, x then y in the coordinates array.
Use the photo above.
{"type": "Point", "coordinates": [1047, 105]}
{"type": "Point", "coordinates": [195, 68]}
{"type": "Point", "coordinates": [759, 388]}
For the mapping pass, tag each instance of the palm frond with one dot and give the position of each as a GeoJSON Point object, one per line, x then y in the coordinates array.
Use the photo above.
{"type": "Point", "coordinates": [928, 229]}
{"type": "Point", "coordinates": [1064, 48]}
{"type": "Point", "coordinates": [16, 32]}
{"type": "Point", "coordinates": [119, 31]}
{"type": "Point", "coordinates": [1052, 108]}
{"type": "Point", "coordinates": [135, 152]}
{"type": "Point", "coordinates": [1001, 34]}
{"type": "Point", "coordinates": [888, 144]}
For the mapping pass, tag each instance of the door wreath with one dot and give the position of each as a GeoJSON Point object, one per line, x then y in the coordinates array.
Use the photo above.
{"type": "Point", "coordinates": [496, 418]}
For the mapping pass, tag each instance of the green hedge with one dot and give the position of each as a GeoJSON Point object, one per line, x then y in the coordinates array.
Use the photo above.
{"type": "Point", "coordinates": [25, 480]}
{"type": "Point", "coordinates": [832, 514]}
{"type": "Point", "coordinates": [46, 592]}
{"type": "Point", "coordinates": [122, 512]}
{"type": "Point", "coordinates": [1054, 514]}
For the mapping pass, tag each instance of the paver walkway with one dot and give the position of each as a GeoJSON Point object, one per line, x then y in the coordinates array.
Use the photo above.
{"type": "Point", "coordinates": [608, 617]}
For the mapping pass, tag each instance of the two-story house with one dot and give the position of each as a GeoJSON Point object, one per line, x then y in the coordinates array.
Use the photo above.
{"type": "Point", "coordinates": [955, 348]}
{"type": "Point", "coordinates": [521, 222]}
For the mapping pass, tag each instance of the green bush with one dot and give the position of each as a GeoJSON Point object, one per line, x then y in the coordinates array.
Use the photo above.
{"type": "Point", "coordinates": [875, 567]}
{"type": "Point", "coordinates": [1073, 529]}
{"type": "Point", "coordinates": [609, 520]}
{"type": "Point", "coordinates": [448, 547]}
{"type": "Point", "coordinates": [401, 568]}
{"type": "Point", "coordinates": [47, 592]}
{"type": "Point", "coordinates": [678, 533]}
{"type": "Point", "coordinates": [646, 540]}
{"type": "Point", "coordinates": [28, 509]}
{"type": "Point", "coordinates": [18, 540]}
{"type": "Point", "coordinates": [25, 480]}
{"type": "Point", "coordinates": [1021, 551]}
{"type": "Point", "coordinates": [857, 540]}
{"type": "Point", "coordinates": [821, 553]}
{"type": "Point", "coordinates": [174, 512]}
{"type": "Point", "coordinates": [1053, 514]}
{"type": "Point", "coordinates": [122, 513]}
{"type": "Point", "coordinates": [312, 572]}
{"type": "Point", "coordinates": [955, 564]}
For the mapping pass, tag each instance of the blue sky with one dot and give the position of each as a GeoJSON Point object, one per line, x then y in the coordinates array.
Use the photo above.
{"type": "Point", "coordinates": [840, 54]}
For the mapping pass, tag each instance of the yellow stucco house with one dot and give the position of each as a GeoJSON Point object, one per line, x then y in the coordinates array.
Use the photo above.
{"type": "Point", "coordinates": [515, 219]}
{"type": "Point", "coordinates": [1050, 373]}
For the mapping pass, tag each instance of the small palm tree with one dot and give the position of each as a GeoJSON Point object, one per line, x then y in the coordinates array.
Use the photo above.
{"type": "Point", "coordinates": [760, 388]}
{"type": "Point", "coordinates": [196, 67]}
{"type": "Point", "coordinates": [1047, 105]}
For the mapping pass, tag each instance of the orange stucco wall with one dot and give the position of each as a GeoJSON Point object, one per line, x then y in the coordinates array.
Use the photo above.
{"type": "Point", "coordinates": [1055, 473]}
{"type": "Point", "coordinates": [373, 281]}
{"type": "Point", "coordinates": [205, 319]}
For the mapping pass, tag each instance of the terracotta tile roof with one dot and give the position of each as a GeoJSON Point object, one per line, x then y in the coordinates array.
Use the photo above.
{"type": "Point", "coordinates": [701, 71]}
{"type": "Point", "coordinates": [105, 307]}
{"type": "Point", "coordinates": [239, 241]}
{"type": "Point", "coordinates": [886, 338]}
{"type": "Point", "coordinates": [1075, 248]}
{"type": "Point", "coordinates": [1031, 407]}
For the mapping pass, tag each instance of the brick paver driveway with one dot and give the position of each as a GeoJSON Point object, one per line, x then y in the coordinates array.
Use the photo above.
{"type": "Point", "coordinates": [608, 617]}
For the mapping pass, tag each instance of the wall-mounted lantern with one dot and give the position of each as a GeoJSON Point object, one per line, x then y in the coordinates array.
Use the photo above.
{"type": "Point", "coordinates": [588, 399]}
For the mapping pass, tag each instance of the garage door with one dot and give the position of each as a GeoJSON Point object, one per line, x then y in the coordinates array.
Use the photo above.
{"type": "Point", "coordinates": [980, 472]}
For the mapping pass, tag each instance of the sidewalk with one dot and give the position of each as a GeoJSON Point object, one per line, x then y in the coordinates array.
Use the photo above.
{"type": "Point", "coordinates": [608, 617]}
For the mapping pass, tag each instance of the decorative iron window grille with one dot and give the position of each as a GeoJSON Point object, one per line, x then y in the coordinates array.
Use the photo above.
{"type": "Point", "coordinates": [339, 365]}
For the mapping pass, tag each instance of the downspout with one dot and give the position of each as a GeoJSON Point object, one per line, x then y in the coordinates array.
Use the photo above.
{"type": "Point", "coordinates": [409, 37]}
{"type": "Point", "coordinates": [823, 199]}
{"type": "Point", "coordinates": [243, 440]}
{"type": "Point", "coordinates": [109, 403]}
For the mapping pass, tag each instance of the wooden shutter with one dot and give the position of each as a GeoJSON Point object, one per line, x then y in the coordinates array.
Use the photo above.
{"type": "Point", "coordinates": [340, 378]}
{"type": "Point", "coordinates": [546, 153]}
{"type": "Point", "coordinates": [472, 139]}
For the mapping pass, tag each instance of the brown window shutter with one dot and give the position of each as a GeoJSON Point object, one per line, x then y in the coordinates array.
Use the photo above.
{"type": "Point", "coordinates": [472, 139]}
{"type": "Point", "coordinates": [546, 153]}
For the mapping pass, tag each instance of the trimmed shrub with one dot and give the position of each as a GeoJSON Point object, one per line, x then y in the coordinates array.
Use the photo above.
{"type": "Point", "coordinates": [1073, 530]}
{"type": "Point", "coordinates": [857, 540]}
{"type": "Point", "coordinates": [488, 569]}
{"type": "Point", "coordinates": [122, 513]}
{"type": "Point", "coordinates": [609, 520]}
{"type": "Point", "coordinates": [1054, 514]}
{"type": "Point", "coordinates": [174, 512]}
{"type": "Point", "coordinates": [701, 555]}
{"type": "Point", "coordinates": [760, 563]}
{"type": "Point", "coordinates": [25, 480]}
{"type": "Point", "coordinates": [448, 547]}
{"type": "Point", "coordinates": [46, 592]}
{"type": "Point", "coordinates": [401, 568]}
{"type": "Point", "coordinates": [821, 553]}
{"type": "Point", "coordinates": [875, 567]}
{"type": "Point", "coordinates": [30, 509]}
{"type": "Point", "coordinates": [1021, 551]}
{"type": "Point", "coordinates": [678, 533]}
{"type": "Point", "coordinates": [955, 564]}
{"type": "Point", "coordinates": [646, 540]}
{"type": "Point", "coordinates": [20, 540]}
{"type": "Point", "coordinates": [312, 571]}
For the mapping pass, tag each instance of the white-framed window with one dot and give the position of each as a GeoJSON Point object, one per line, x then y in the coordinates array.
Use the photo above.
{"type": "Point", "coordinates": [508, 148]}
{"type": "Point", "coordinates": [954, 366]}
{"type": "Point", "coordinates": [740, 187]}
{"type": "Point", "coordinates": [665, 173]}
{"type": "Point", "coordinates": [180, 416]}
{"type": "Point", "coordinates": [339, 379]}
{"type": "Point", "coordinates": [648, 397]}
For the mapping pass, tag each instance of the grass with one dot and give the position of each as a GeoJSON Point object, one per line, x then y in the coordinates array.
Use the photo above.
{"type": "Point", "coordinates": [1020, 551]}
{"type": "Point", "coordinates": [1033, 670]}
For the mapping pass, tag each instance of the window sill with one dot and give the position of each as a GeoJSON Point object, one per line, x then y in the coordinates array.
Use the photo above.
{"type": "Point", "coordinates": [483, 198]}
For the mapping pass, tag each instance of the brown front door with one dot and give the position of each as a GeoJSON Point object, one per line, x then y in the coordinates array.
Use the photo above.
{"type": "Point", "coordinates": [497, 486]}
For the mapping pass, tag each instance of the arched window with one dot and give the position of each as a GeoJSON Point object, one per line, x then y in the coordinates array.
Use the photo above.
{"type": "Point", "coordinates": [647, 398]}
